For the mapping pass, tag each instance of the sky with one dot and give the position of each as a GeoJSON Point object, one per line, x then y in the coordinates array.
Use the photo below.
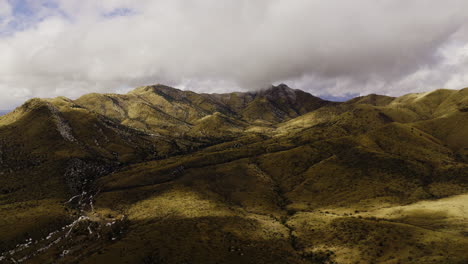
{"type": "Point", "coordinates": [333, 49]}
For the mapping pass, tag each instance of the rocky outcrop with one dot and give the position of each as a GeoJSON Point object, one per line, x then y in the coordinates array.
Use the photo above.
{"type": "Point", "coordinates": [80, 174]}
{"type": "Point", "coordinates": [62, 126]}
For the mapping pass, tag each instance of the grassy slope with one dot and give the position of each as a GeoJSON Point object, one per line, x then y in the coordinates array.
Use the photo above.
{"type": "Point", "coordinates": [387, 165]}
{"type": "Point", "coordinates": [341, 183]}
{"type": "Point", "coordinates": [35, 156]}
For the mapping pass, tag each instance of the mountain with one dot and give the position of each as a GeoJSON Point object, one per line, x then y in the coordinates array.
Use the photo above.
{"type": "Point", "coordinates": [167, 110]}
{"type": "Point", "coordinates": [161, 175]}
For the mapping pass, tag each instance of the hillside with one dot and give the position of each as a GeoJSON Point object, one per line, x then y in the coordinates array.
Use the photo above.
{"type": "Point", "coordinates": [161, 175]}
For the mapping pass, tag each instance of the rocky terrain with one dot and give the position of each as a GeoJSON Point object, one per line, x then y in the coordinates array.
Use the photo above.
{"type": "Point", "coordinates": [161, 175]}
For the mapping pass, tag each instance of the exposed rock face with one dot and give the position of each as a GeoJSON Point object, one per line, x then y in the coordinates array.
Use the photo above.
{"type": "Point", "coordinates": [62, 126]}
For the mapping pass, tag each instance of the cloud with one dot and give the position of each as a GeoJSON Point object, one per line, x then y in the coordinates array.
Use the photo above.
{"type": "Point", "coordinates": [5, 12]}
{"type": "Point", "coordinates": [334, 48]}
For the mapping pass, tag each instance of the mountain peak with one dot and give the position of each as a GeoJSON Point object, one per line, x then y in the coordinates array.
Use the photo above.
{"type": "Point", "coordinates": [279, 87]}
{"type": "Point", "coordinates": [279, 91]}
{"type": "Point", "coordinates": [153, 88]}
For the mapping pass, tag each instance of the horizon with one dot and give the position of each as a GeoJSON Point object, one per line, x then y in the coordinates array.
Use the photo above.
{"type": "Point", "coordinates": [330, 98]}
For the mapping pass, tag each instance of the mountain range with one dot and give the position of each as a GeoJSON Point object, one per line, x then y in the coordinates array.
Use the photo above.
{"type": "Point", "coordinates": [162, 175]}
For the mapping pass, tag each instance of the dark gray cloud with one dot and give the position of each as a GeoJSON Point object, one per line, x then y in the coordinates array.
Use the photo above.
{"type": "Point", "coordinates": [334, 48]}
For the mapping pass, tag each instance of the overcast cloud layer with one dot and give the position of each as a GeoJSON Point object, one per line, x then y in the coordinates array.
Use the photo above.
{"type": "Point", "coordinates": [329, 48]}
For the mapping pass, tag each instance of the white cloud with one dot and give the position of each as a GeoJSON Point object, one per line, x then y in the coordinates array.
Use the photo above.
{"type": "Point", "coordinates": [5, 13]}
{"type": "Point", "coordinates": [327, 47]}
